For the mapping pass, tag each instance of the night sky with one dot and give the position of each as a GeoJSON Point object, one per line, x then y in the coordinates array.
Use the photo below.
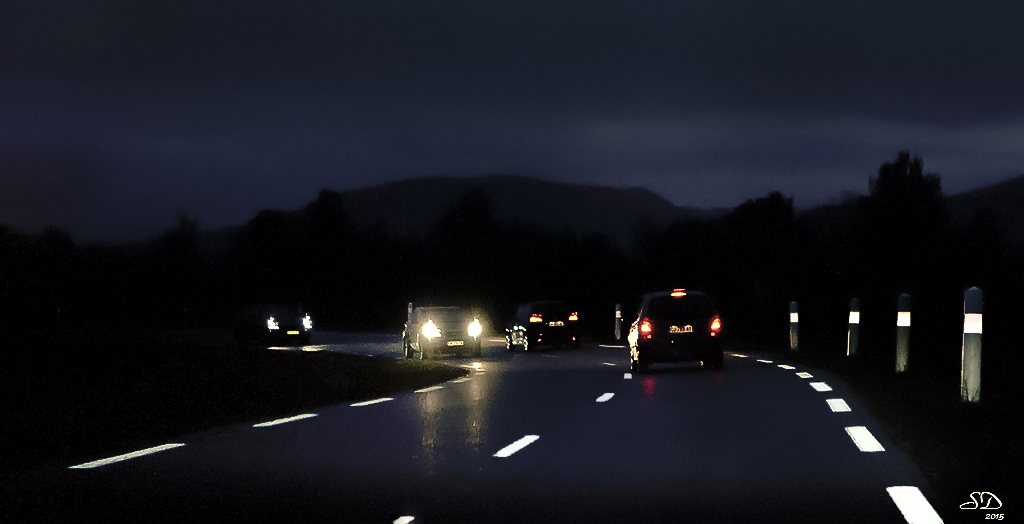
{"type": "Point", "coordinates": [116, 115]}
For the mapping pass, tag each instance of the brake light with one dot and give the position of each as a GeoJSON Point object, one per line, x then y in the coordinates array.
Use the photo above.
{"type": "Point", "coordinates": [646, 328]}
{"type": "Point", "coordinates": [678, 292]}
{"type": "Point", "coordinates": [573, 317]}
{"type": "Point", "coordinates": [536, 318]}
{"type": "Point", "coordinates": [716, 326]}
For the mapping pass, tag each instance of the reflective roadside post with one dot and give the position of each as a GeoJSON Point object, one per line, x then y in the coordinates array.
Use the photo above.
{"type": "Point", "coordinates": [970, 356]}
{"type": "Point", "coordinates": [853, 332]}
{"type": "Point", "coordinates": [408, 312]}
{"type": "Point", "coordinates": [618, 321]}
{"type": "Point", "coordinates": [902, 332]}
{"type": "Point", "coordinates": [794, 326]}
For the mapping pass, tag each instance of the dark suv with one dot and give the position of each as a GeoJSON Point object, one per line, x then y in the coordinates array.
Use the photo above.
{"type": "Point", "coordinates": [548, 322]}
{"type": "Point", "coordinates": [273, 324]}
{"type": "Point", "coordinates": [675, 326]}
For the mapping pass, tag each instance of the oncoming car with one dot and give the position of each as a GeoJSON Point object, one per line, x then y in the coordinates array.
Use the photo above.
{"type": "Point", "coordinates": [549, 322]}
{"type": "Point", "coordinates": [432, 331]}
{"type": "Point", "coordinates": [675, 326]}
{"type": "Point", "coordinates": [273, 325]}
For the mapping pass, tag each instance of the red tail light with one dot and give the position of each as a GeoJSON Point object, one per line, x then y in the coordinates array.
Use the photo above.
{"type": "Point", "coordinates": [716, 326]}
{"type": "Point", "coordinates": [573, 317]}
{"type": "Point", "coordinates": [536, 318]}
{"type": "Point", "coordinates": [646, 328]}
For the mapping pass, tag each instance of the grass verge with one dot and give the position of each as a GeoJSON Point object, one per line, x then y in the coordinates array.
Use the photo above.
{"type": "Point", "coordinates": [71, 406]}
{"type": "Point", "coordinates": [959, 447]}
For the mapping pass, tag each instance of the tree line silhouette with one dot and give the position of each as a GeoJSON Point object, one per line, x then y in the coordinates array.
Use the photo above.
{"type": "Point", "coordinates": [753, 261]}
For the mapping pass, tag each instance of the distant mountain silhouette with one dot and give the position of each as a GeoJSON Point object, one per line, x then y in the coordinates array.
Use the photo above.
{"type": "Point", "coordinates": [1004, 199]}
{"type": "Point", "coordinates": [412, 207]}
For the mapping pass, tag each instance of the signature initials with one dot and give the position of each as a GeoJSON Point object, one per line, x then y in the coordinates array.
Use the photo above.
{"type": "Point", "coordinates": [982, 500]}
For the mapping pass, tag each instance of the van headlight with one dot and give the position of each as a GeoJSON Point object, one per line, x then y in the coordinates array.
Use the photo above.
{"type": "Point", "coordinates": [430, 330]}
{"type": "Point", "coordinates": [475, 328]}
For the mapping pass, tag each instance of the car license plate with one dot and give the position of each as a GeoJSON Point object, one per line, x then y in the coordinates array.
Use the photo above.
{"type": "Point", "coordinates": [677, 329]}
{"type": "Point", "coordinates": [455, 342]}
{"type": "Point", "coordinates": [556, 323]}
{"type": "Point", "coordinates": [293, 332]}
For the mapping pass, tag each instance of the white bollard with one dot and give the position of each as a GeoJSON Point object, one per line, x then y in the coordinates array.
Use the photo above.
{"type": "Point", "coordinates": [902, 332]}
{"type": "Point", "coordinates": [853, 332]}
{"type": "Point", "coordinates": [618, 321]}
{"type": "Point", "coordinates": [794, 327]}
{"type": "Point", "coordinates": [970, 356]}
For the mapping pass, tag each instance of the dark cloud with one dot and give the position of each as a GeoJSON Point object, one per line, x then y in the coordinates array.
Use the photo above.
{"type": "Point", "coordinates": [217, 108]}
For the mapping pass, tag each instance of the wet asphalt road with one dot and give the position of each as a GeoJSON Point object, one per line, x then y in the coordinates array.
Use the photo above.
{"type": "Point", "coordinates": [752, 443]}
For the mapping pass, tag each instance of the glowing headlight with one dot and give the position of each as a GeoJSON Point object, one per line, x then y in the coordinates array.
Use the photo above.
{"type": "Point", "coordinates": [307, 322]}
{"type": "Point", "coordinates": [430, 330]}
{"type": "Point", "coordinates": [272, 324]}
{"type": "Point", "coordinates": [475, 328]}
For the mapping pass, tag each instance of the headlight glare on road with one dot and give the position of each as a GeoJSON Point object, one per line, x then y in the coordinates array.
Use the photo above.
{"type": "Point", "coordinates": [430, 330]}
{"type": "Point", "coordinates": [307, 322]}
{"type": "Point", "coordinates": [272, 324]}
{"type": "Point", "coordinates": [475, 328]}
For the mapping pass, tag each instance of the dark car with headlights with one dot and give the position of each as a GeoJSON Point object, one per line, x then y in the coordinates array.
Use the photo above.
{"type": "Point", "coordinates": [548, 322]}
{"type": "Point", "coordinates": [433, 331]}
{"type": "Point", "coordinates": [675, 326]}
{"type": "Point", "coordinates": [273, 325]}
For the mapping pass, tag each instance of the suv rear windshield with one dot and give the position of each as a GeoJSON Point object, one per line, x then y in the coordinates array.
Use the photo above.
{"type": "Point", "coordinates": [679, 307]}
{"type": "Point", "coordinates": [551, 308]}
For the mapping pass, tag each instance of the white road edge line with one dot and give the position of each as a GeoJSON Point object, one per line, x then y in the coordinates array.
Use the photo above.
{"type": "Point", "coordinates": [369, 402]}
{"type": "Point", "coordinates": [606, 397]}
{"type": "Point", "coordinates": [627, 376]}
{"type": "Point", "coordinates": [863, 438]}
{"type": "Point", "coordinates": [283, 420]}
{"type": "Point", "coordinates": [804, 374]}
{"type": "Point", "coordinates": [738, 355]}
{"type": "Point", "coordinates": [820, 386]}
{"type": "Point", "coordinates": [608, 346]}
{"type": "Point", "coordinates": [461, 380]}
{"type": "Point", "coordinates": [608, 363]}
{"type": "Point", "coordinates": [432, 388]}
{"type": "Point", "coordinates": [551, 356]}
{"type": "Point", "coordinates": [912, 504]}
{"type": "Point", "coordinates": [404, 520]}
{"type": "Point", "coordinates": [126, 456]}
{"type": "Point", "coordinates": [516, 446]}
{"type": "Point", "coordinates": [838, 405]}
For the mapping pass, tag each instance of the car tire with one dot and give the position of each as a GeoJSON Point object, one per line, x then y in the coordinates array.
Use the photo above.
{"type": "Point", "coordinates": [717, 361]}
{"type": "Point", "coordinates": [642, 365]}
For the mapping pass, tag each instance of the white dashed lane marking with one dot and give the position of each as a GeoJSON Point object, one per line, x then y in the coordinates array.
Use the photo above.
{"type": "Point", "coordinates": [126, 456]}
{"type": "Point", "coordinates": [863, 438]}
{"type": "Point", "coordinates": [783, 366]}
{"type": "Point", "coordinates": [516, 446]}
{"type": "Point", "coordinates": [820, 386]}
{"type": "Point", "coordinates": [804, 374]}
{"type": "Point", "coordinates": [627, 376]}
{"type": "Point", "coordinates": [606, 397]}
{"type": "Point", "coordinates": [765, 361]}
{"type": "Point", "coordinates": [283, 420]}
{"type": "Point", "coordinates": [370, 402]}
{"type": "Point", "coordinates": [912, 504]}
{"type": "Point", "coordinates": [838, 405]}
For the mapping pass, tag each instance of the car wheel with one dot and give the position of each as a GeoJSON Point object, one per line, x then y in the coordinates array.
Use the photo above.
{"type": "Point", "coordinates": [717, 361]}
{"type": "Point", "coordinates": [642, 365]}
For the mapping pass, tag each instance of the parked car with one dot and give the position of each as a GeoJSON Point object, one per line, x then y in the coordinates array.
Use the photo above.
{"type": "Point", "coordinates": [548, 322]}
{"type": "Point", "coordinates": [273, 325]}
{"type": "Point", "coordinates": [675, 326]}
{"type": "Point", "coordinates": [432, 331]}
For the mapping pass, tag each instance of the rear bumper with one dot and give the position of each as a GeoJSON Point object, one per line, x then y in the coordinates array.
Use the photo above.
{"type": "Point", "coordinates": [679, 352]}
{"type": "Point", "coordinates": [542, 335]}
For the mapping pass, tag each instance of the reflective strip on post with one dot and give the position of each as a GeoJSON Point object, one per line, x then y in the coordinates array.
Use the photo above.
{"type": "Point", "coordinates": [902, 332]}
{"type": "Point", "coordinates": [853, 331]}
{"type": "Point", "coordinates": [794, 327]}
{"type": "Point", "coordinates": [618, 321]}
{"type": "Point", "coordinates": [970, 355]}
